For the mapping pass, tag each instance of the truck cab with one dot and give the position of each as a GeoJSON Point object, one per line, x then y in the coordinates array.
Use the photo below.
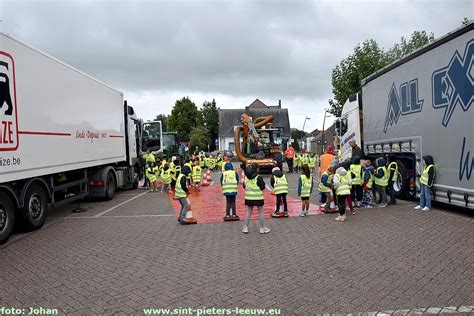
{"type": "Point", "coordinates": [349, 126]}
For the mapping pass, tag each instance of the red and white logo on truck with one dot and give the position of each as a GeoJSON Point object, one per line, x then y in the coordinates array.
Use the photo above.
{"type": "Point", "coordinates": [8, 110]}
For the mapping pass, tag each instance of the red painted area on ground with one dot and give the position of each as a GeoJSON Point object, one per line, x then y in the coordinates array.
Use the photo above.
{"type": "Point", "coordinates": [208, 205]}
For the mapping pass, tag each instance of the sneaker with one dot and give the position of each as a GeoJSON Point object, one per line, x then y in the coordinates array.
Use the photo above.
{"type": "Point", "coordinates": [323, 205]}
{"type": "Point", "coordinates": [353, 212]}
{"type": "Point", "coordinates": [418, 207]}
{"type": "Point", "coordinates": [245, 230]}
{"type": "Point", "coordinates": [343, 218]}
{"type": "Point", "coordinates": [358, 204]}
{"type": "Point", "coordinates": [426, 208]}
{"type": "Point", "coordinates": [338, 218]}
{"type": "Point", "coordinates": [264, 230]}
{"type": "Point", "coordinates": [286, 214]}
{"type": "Point", "coordinates": [302, 214]}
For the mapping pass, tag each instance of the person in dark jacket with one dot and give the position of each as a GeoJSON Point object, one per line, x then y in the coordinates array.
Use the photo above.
{"type": "Point", "coordinates": [279, 184]}
{"type": "Point", "coordinates": [229, 182]}
{"type": "Point", "coordinates": [254, 185]}
{"type": "Point", "coordinates": [356, 150]}
{"type": "Point", "coordinates": [426, 182]}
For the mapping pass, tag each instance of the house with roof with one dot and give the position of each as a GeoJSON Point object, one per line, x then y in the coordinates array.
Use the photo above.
{"type": "Point", "coordinates": [320, 140]}
{"type": "Point", "coordinates": [229, 118]}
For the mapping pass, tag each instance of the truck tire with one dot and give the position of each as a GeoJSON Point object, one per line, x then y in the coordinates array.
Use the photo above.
{"type": "Point", "coordinates": [7, 217]}
{"type": "Point", "coordinates": [111, 186]}
{"type": "Point", "coordinates": [35, 207]}
{"type": "Point", "coordinates": [401, 185]}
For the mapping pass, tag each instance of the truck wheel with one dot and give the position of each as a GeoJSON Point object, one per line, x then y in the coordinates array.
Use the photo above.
{"type": "Point", "coordinates": [401, 185]}
{"type": "Point", "coordinates": [35, 206]}
{"type": "Point", "coordinates": [7, 217]}
{"type": "Point", "coordinates": [111, 186]}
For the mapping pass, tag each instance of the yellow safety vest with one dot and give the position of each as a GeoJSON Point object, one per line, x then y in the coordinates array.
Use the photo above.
{"type": "Point", "coordinates": [322, 187]}
{"type": "Point", "coordinates": [357, 170]}
{"type": "Point", "coordinates": [425, 175]}
{"type": "Point", "coordinates": [344, 187]}
{"type": "Point", "coordinates": [178, 190]}
{"type": "Point", "coordinates": [151, 173]}
{"type": "Point", "coordinates": [252, 191]}
{"type": "Point", "coordinates": [312, 162]}
{"type": "Point", "coordinates": [166, 176]}
{"type": "Point", "coordinates": [201, 162]}
{"type": "Point", "coordinates": [395, 174]}
{"type": "Point", "coordinates": [229, 182]}
{"type": "Point", "coordinates": [281, 185]}
{"type": "Point", "coordinates": [196, 174]}
{"type": "Point", "coordinates": [383, 182]}
{"type": "Point", "coordinates": [306, 185]}
{"type": "Point", "coordinates": [371, 181]}
{"type": "Point", "coordinates": [149, 158]}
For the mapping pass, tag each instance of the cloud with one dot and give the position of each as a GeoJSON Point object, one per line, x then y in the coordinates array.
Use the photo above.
{"type": "Point", "coordinates": [157, 51]}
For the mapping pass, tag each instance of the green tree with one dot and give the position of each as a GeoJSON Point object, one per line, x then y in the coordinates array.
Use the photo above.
{"type": "Point", "coordinates": [364, 61]}
{"type": "Point", "coordinates": [405, 47]}
{"type": "Point", "coordinates": [183, 118]}
{"type": "Point", "coordinates": [346, 77]}
{"type": "Point", "coordinates": [199, 137]}
{"type": "Point", "coordinates": [210, 116]}
{"type": "Point", "coordinates": [164, 121]}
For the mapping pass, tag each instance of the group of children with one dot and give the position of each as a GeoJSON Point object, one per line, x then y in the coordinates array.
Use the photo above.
{"type": "Point", "coordinates": [352, 183]}
{"type": "Point", "coordinates": [356, 183]}
{"type": "Point", "coordinates": [299, 160]}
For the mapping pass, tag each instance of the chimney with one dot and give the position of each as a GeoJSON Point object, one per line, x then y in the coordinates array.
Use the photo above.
{"type": "Point", "coordinates": [279, 104]}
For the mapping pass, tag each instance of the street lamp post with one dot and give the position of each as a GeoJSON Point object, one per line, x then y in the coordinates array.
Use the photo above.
{"type": "Point", "coordinates": [304, 123]}
{"type": "Point", "coordinates": [322, 133]}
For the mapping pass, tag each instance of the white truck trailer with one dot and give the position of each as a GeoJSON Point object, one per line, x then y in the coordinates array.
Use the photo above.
{"type": "Point", "coordinates": [421, 105]}
{"type": "Point", "coordinates": [64, 136]}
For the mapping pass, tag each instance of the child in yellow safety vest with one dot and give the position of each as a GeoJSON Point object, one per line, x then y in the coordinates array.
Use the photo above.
{"type": "Point", "coordinates": [325, 189]}
{"type": "Point", "coordinates": [152, 176]}
{"type": "Point", "coordinates": [165, 175]}
{"type": "Point", "coordinates": [342, 183]}
{"type": "Point", "coordinates": [196, 174]}
{"type": "Point", "coordinates": [381, 181]}
{"type": "Point", "coordinates": [254, 185]}
{"type": "Point", "coordinates": [368, 184]}
{"type": "Point", "coordinates": [230, 182]}
{"type": "Point", "coordinates": [305, 187]}
{"type": "Point", "coordinates": [356, 173]}
{"type": "Point", "coordinates": [426, 182]}
{"type": "Point", "coordinates": [312, 163]}
{"type": "Point", "coordinates": [279, 182]}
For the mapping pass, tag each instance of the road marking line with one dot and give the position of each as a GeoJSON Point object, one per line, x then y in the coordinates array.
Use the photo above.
{"type": "Point", "coordinates": [117, 206]}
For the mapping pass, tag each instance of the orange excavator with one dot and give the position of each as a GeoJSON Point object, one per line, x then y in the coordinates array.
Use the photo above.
{"type": "Point", "coordinates": [261, 142]}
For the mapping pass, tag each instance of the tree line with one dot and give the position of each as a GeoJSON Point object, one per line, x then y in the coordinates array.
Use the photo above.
{"type": "Point", "coordinates": [199, 127]}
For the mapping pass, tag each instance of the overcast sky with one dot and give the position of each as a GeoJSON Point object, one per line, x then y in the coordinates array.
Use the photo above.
{"type": "Point", "coordinates": [234, 51]}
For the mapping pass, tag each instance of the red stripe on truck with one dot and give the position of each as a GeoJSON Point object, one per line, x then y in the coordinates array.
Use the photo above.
{"type": "Point", "coordinates": [43, 133]}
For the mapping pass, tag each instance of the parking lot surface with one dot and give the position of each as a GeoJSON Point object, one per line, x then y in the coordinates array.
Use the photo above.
{"type": "Point", "coordinates": [128, 254]}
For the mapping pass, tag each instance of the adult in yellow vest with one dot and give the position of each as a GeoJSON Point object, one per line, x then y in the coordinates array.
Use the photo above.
{"type": "Point", "coordinates": [279, 182]}
{"type": "Point", "coordinates": [342, 183]}
{"type": "Point", "coordinates": [229, 182]}
{"type": "Point", "coordinates": [148, 157]}
{"type": "Point", "coordinates": [392, 178]}
{"type": "Point", "coordinates": [305, 187]}
{"type": "Point", "coordinates": [426, 182]}
{"type": "Point", "coordinates": [357, 177]}
{"type": "Point", "coordinates": [254, 185]}
{"type": "Point", "coordinates": [381, 181]}
{"type": "Point", "coordinates": [165, 175]}
{"type": "Point", "coordinates": [181, 194]}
